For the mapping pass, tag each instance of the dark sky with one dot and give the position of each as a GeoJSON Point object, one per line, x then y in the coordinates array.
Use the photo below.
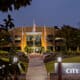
{"type": "Point", "coordinates": [47, 12]}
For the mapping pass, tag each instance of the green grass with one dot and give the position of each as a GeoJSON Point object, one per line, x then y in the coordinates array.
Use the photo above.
{"type": "Point", "coordinates": [73, 59]}
{"type": "Point", "coordinates": [5, 59]}
{"type": "Point", "coordinates": [26, 67]}
{"type": "Point", "coordinates": [3, 55]}
{"type": "Point", "coordinates": [50, 65]}
{"type": "Point", "coordinates": [3, 52]}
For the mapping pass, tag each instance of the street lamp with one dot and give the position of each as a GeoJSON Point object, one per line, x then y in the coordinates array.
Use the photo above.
{"type": "Point", "coordinates": [59, 59]}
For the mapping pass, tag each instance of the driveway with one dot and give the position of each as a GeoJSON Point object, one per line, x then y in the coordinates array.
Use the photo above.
{"type": "Point", "coordinates": [36, 69]}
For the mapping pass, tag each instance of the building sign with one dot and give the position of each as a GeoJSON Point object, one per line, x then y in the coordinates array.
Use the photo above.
{"type": "Point", "coordinates": [68, 68]}
{"type": "Point", "coordinates": [34, 33]}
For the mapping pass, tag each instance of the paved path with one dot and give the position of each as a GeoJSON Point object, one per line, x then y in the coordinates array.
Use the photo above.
{"type": "Point", "coordinates": [36, 69]}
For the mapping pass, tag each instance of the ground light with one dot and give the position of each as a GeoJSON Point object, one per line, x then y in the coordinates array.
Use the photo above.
{"type": "Point", "coordinates": [15, 59]}
{"type": "Point", "coordinates": [59, 60]}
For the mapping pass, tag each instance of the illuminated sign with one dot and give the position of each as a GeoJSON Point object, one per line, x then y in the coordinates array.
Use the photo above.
{"type": "Point", "coordinates": [68, 68]}
{"type": "Point", "coordinates": [33, 33]}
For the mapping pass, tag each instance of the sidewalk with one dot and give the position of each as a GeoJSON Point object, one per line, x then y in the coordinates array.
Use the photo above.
{"type": "Point", "coordinates": [36, 69]}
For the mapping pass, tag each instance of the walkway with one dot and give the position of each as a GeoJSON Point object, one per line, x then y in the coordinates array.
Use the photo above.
{"type": "Point", "coordinates": [36, 69]}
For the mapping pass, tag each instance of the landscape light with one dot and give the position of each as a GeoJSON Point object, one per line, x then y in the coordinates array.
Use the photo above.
{"type": "Point", "coordinates": [0, 67]}
{"type": "Point", "coordinates": [9, 64]}
{"type": "Point", "coordinates": [15, 59]}
{"type": "Point", "coordinates": [59, 59]}
{"type": "Point", "coordinates": [3, 66]}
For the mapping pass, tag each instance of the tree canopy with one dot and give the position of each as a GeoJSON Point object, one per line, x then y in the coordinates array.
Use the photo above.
{"type": "Point", "coordinates": [6, 5]}
{"type": "Point", "coordinates": [71, 35]}
{"type": "Point", "coordinates": [5, 37]}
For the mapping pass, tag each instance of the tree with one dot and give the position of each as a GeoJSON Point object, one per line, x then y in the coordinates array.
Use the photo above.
{"type": "Point", "coordinates": [71, 35]}
{"type": "Point", "coordinates": [6, 5]}
{"type": "Point", "coordinates": [5, 37]}
{"type": "Point", "coordinates": [56, 27]}
{"type": "Point", "coordinates": [8, 23]}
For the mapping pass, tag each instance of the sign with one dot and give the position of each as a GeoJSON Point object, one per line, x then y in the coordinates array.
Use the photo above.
{"type": "Point", "coordinates": [68, 68]}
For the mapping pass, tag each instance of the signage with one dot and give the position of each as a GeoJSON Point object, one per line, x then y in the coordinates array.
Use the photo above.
{"type": "Point", "coordinates": [33, 33]}
{"type": "Point", "coordinates": [68, 68]}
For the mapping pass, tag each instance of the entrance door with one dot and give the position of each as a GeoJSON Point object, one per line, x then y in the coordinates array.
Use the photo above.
{"type": "Point", "coordinates": [37, 50]}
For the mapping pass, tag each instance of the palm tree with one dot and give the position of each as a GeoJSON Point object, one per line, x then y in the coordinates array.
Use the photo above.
{"type": "Point", "coordinates": [8, 24]}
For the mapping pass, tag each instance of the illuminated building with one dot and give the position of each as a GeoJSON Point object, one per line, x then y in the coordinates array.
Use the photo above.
{"type": "Point", "coordinates": [35, 38]}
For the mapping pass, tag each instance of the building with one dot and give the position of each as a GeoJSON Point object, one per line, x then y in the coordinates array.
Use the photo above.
{"type": "Point", "coordinates": [34, 39]}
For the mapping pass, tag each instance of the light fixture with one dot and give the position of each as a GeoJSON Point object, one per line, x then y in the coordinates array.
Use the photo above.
{"type": "Point", "coordinates": [0, 67]}
{"type": "Point", "coordinates": [3, 66]}
{"type": "Point", "coordinates": [15, 59]}
{"type": "Point", "coordinates": [59, 59]}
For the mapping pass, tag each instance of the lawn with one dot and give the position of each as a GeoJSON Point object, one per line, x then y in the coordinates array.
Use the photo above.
{"type": "Point", "coordinates": [3, 52]}
{"type": "Point", "coordinates": [50, 65]}
{"type": "Point", "coordinates": [25, 64]}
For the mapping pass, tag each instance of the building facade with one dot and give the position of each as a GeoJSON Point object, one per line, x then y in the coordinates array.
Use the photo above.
{"type": "Point", "coordinates": [34, 39]}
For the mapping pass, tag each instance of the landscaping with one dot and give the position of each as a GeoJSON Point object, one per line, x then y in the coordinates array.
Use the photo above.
{"type": "Point", "coordinates": [20, 67]}
{"type": "Point", "coordinates": [50, 65]}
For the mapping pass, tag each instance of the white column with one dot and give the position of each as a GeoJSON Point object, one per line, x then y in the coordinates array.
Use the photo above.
{"type": "Point", "coordinates": [45, 37]}
{"type": "Point", "coordinates": [22, 39]}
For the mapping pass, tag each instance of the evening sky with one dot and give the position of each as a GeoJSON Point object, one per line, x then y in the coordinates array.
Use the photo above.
{"type": "Point", "coordinates": [47, 12]}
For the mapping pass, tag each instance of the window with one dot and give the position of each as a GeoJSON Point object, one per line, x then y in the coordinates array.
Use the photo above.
{"type": "Point", "coordinates": [38, 40]}
{"type": "Point", "coordinates": [50, 38]}
{"type": "Point", "coordinates": [30, 43]}
{"type": "Point", "coordinates": [34, 40]}
{"type": "Point", "coordinates": [29, 38]}
{"type": "Point", "coordinates": [17, 39]}
{"type": "Point", "coordinates": [50, 48]}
